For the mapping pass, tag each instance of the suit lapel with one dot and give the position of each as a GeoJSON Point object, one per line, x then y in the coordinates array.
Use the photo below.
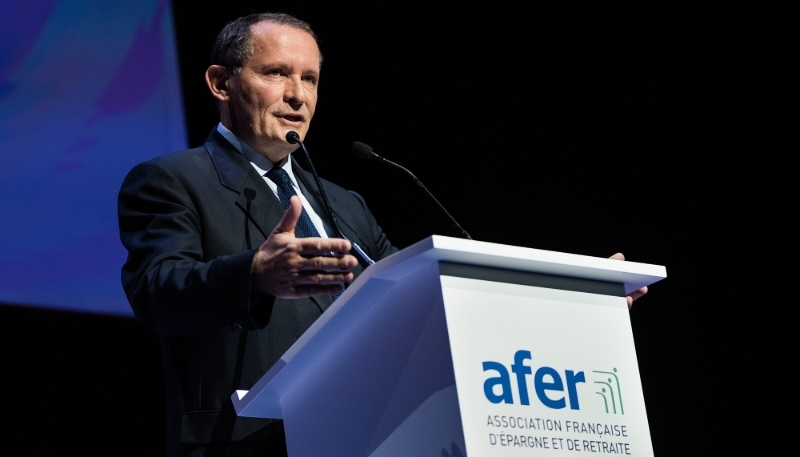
{"type": "Point", "coordinates": [254, 196]}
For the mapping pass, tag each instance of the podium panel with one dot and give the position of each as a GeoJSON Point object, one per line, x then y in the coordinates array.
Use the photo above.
{"type": "Point", "coordinates": [544, 369]}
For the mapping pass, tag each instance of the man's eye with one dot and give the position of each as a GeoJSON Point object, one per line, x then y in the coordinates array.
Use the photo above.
{"type": "Point", "coordinates": [273, 72]}
{"type": "Point", "coordinates": [310, 79]}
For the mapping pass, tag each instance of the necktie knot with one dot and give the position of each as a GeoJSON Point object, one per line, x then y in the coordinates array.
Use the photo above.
{"type": "Point", "coordinates": [279, 177]}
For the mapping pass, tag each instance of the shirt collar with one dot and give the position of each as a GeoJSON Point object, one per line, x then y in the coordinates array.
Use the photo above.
{"type": "Point", "coordinates": [259, 162]}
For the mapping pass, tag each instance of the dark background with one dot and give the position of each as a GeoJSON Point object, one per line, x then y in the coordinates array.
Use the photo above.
{"type": "Point", "coordinates": [650, 130]}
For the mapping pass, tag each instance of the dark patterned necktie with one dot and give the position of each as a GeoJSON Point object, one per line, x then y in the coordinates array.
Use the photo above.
{"type": "Point", "coordinates": [304, 228]}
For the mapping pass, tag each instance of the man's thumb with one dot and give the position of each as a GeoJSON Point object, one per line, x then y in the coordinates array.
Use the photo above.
{"type": "Point", "coordinates": [291, 216]}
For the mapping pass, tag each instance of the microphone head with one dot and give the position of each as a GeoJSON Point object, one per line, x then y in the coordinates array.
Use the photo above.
{"type": "Point", "coordinates": [362, 150]}
{"type": "Point", "coordinates": [292, 137]}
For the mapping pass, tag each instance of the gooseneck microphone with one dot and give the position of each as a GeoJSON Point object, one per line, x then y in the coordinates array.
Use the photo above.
{"type": "Point", "coordinates": [293, 138]}
{"type": "Point", "coordinates": [365, 152]}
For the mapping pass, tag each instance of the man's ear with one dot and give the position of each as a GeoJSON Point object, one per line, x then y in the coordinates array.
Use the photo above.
{"type": "Point", "coordinates": [217, 78]}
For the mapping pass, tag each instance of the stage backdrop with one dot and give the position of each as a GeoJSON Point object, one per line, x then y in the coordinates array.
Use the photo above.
{"type": "Point", "coordinates": [87, 90]}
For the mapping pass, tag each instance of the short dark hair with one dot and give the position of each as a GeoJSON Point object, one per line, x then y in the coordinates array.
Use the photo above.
{"type": "Point", "coordinates": [233, 46]}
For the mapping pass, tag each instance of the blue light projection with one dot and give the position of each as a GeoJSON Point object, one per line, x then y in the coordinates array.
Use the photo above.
{"type": "Point", "coordinates": [87, 90]}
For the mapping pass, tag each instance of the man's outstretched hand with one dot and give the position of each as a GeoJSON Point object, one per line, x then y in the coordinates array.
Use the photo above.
{"type": "Point", "coordinates": [290, 267]}
{"type": "Point", "coordinates": [636, 293]}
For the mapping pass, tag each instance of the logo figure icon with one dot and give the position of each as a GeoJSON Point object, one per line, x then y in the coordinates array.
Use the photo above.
{"type": "Point", "coordinates": [610, 390]}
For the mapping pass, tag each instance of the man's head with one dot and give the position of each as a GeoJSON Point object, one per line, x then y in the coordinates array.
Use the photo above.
{"type": "Point", "coordinates": [264, 75]}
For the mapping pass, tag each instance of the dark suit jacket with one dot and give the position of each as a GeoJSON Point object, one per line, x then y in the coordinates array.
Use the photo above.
{"type": "Point", "coordinates": [192, 222]}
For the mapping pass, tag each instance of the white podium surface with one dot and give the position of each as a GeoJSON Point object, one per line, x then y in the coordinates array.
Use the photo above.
{"type": "Point", "coordinates": [423, 355]}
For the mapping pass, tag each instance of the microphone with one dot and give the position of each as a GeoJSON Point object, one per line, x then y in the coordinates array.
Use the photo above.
{"type": "Point", "coordinates": [293, 138]}
{"type": "Point", "coordinates": [365, 152]}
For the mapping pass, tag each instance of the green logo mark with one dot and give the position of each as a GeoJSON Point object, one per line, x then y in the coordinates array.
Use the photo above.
{"type": "Point", "coordinates": [610, 390]}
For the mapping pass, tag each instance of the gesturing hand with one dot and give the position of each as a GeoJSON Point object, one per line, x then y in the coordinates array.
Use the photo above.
{"type": "Point", "coordinates": [636, 293]}
{"type": "Point", "coordinates": [290, 267]}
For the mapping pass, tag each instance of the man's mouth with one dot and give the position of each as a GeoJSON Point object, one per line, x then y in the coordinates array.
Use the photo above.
{"type": "Point", "coordinates": [292, 117]}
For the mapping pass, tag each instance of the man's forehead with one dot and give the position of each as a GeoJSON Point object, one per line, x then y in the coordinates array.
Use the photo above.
{"type": "Point", "coordinates": [266, 33]}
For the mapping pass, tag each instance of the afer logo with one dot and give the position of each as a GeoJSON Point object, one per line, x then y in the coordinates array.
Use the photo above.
{"type": "Point", "coordinates": [551, 388]}
{"type": "Point", "coordinates": [546, 379]}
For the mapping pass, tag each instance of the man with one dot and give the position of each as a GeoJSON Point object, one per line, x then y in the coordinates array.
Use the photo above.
{"type": "Point", "coordinates": [230, 258]}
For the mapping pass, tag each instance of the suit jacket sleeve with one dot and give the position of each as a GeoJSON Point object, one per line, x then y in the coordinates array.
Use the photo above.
{"type": "Point", "coordinates": [172, 286]}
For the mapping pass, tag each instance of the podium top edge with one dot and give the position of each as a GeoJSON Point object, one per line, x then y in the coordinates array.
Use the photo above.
{"type": "Point", "coordinates": [442, 248]}
{"type": "Point", "coordinates": [523, 253]}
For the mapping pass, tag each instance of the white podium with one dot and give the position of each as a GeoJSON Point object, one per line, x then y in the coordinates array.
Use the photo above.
{"type": "Point", "coordinates": [454, 347]}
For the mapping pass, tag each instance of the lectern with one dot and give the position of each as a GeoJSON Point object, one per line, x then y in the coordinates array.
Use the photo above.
{"type": "Point", "coordinates": [454, 347]}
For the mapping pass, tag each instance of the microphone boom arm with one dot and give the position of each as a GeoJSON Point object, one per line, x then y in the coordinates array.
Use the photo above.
{"type": "Point", "coordinates": [425, 189]}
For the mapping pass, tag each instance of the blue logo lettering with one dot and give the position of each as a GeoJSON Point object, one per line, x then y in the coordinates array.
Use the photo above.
{"type": "Point", "coordinates": [547, 383]}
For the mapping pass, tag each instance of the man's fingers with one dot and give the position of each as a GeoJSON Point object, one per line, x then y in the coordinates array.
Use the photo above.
{"type": "Point", "coordinates": [323, 246]}
{"type": "Point", "coordinates": [635, 295]}
{"type": "Point", "coordinates": [324, 263]}
{"type": "Point", "coordinates": [617, 256]}
{"type": "Point", "coordinates": [638, 293]}
{"type": "Point", "coordinates": [290, 217]}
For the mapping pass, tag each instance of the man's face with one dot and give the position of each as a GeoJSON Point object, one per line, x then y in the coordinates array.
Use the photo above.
{"type": "Point", "coordinates": [276, 91]}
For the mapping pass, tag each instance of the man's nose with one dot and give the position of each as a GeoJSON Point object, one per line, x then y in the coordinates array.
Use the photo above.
{"type": "Point", "coordinates": [294, 92]}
